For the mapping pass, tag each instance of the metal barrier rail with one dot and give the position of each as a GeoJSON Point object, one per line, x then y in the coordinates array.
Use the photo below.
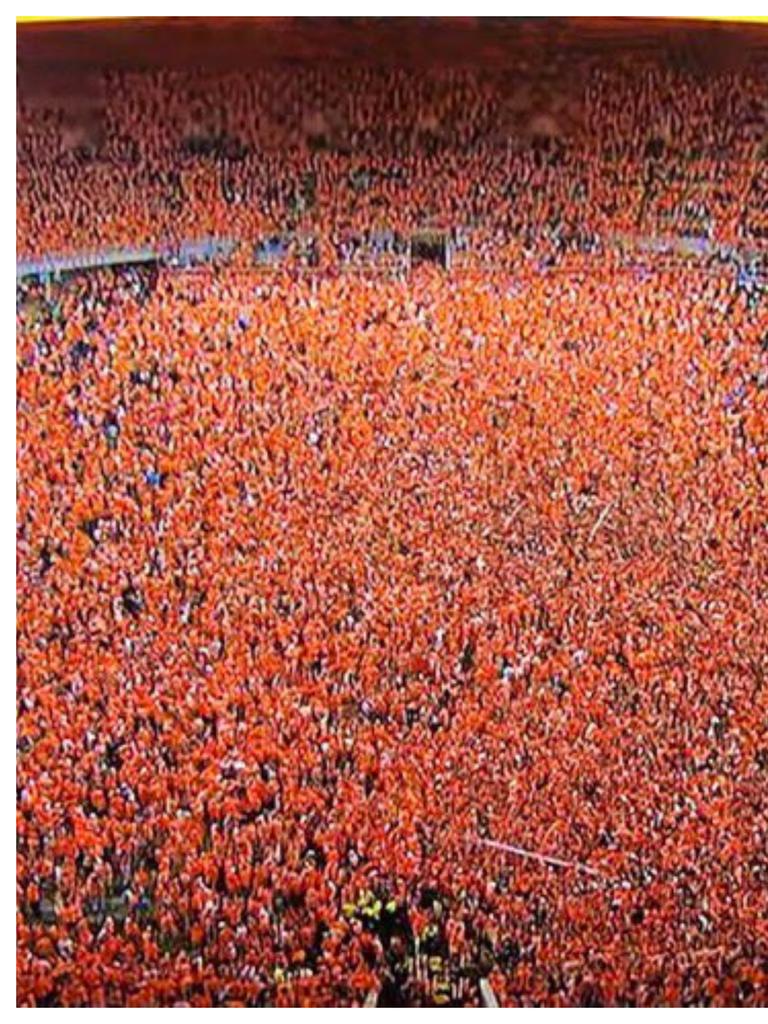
{"type": "Point", "coordinates": [190, 251]}
{"type": "Point", "coordinates": [51, 265]}
{"type": "Point", "coordinates": [204, 251]}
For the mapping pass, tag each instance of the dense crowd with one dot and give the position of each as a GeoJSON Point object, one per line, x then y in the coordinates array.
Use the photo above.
{"type": "Point", "coordinates": [334, 589]}
{"type": "Point", "coordinates": [319, 587]}
{"type": "Point", "coordinates": [339, 155]}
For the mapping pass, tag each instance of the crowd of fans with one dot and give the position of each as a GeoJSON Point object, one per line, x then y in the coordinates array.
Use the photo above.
{"type": "Point", "coordinates": [331, 587]}
{"type": "Point", "coordinates": [338, 155]}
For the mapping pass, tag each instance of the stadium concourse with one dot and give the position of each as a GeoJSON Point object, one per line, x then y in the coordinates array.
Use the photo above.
{"type": "Point", "coordinates": [383, 632]}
